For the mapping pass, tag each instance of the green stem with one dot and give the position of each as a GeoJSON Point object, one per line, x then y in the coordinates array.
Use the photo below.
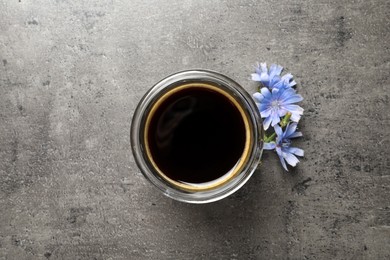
{"type": "Point", "coordinates": [285, 120]}
{"type": "Point", "coordinates": [283, 124]}
{"type": "Point", "coordinates": [270, 138]}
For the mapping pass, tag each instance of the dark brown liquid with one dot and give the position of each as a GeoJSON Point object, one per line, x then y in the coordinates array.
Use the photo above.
{"type": "Point", "coordinates": [196, 135]}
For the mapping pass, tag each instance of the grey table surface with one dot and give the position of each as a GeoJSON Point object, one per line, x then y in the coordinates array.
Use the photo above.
{"type": "Point", "coordinates": [72, 73]}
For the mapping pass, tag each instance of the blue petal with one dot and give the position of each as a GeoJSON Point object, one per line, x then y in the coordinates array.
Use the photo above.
{"type": "Point", "coordinates": [258, 97]}
{"type": "Point", "coordinates": [275, 70]}
{"type": "Point", "coordinates": [279, 152]}
{"type": "Point", "coordinates": [293, 99]}
{"type": "Point", "coordinates": [290, 158]}
{"type": "Point", "coordinates": [295, 117]}
{"type": "Point", "coordinates": [264, 78]}
{"type": "Point", "coordinates": [267, 100]}
{"type": "Point", "coordinates": [264, 105]}
{"type": "Point", "coordinates": [275, 118]}
{"type": "Point", "coordinates": [282, 112]}
{"type": "Point", "coordinates": [258, 106]}
{"type": "Point", "coordinates": [266, 113]}
{"type": "Point", "coordinates": [292, 83]}
{"type": "Point", "coordinates": [287, 77]}
{"type": "Point", "coordinates": [296, 134]}
{"type": "Point", "coordinates": [267, 122]}
{"type": "Point", "coordinates": [296, 151]}
{"type": "Point", "coordinates": [293, 108]}
{"type": "Point", "coordinates": [280, 84]}
{"type": "Point", "coordinates": [264, 67]}
{"type": "Point", "coordinates": [278, 130]}
{"type": "Point", "coordinates": [274, 80]}
{"type": "Point", "coordinates": [255, 77]}
{"type": "Point", "coordinates": [265, 92]}
{"type": "Point", "coordinates": [290, 129]}
{"type": "Point", "coordinates": [269, 146]}
{"type": "Point", "coordinates": [279, 140]}
{"type": "Point", "coordinates": [276, 92]}
{"type": "Point", "coordinates": [286, 93]}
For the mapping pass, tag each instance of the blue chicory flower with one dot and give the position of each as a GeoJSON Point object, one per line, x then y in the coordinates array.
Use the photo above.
{"type": "Point", "coordinates": [282, 144]}
{"type": "Point", "coordinates": [271, 78]}
{"type": "Point", "coordinates": [276, 103]}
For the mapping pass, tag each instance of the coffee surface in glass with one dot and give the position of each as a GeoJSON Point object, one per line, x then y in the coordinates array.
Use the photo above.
{"type": "Point", "coordinates": [196, 133]}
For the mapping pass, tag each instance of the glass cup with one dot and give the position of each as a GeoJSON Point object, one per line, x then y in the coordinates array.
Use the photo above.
{"type": "Point", "coordinates": [222, 186]}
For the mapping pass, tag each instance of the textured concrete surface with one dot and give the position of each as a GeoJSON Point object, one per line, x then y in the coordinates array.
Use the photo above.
{"type": "Point", "coordinates": [72, 73]}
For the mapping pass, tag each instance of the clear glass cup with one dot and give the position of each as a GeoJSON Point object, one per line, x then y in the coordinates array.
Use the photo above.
{"type": "Point", "coordinates": [225, 185]}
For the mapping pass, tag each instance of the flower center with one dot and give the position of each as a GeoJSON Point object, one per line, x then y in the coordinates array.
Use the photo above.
{"type": "Point", "coordinates": [275, 104]}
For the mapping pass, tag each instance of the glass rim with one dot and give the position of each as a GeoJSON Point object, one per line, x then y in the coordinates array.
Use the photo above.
{"type": "Point", "coordinates": [232, 88]}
